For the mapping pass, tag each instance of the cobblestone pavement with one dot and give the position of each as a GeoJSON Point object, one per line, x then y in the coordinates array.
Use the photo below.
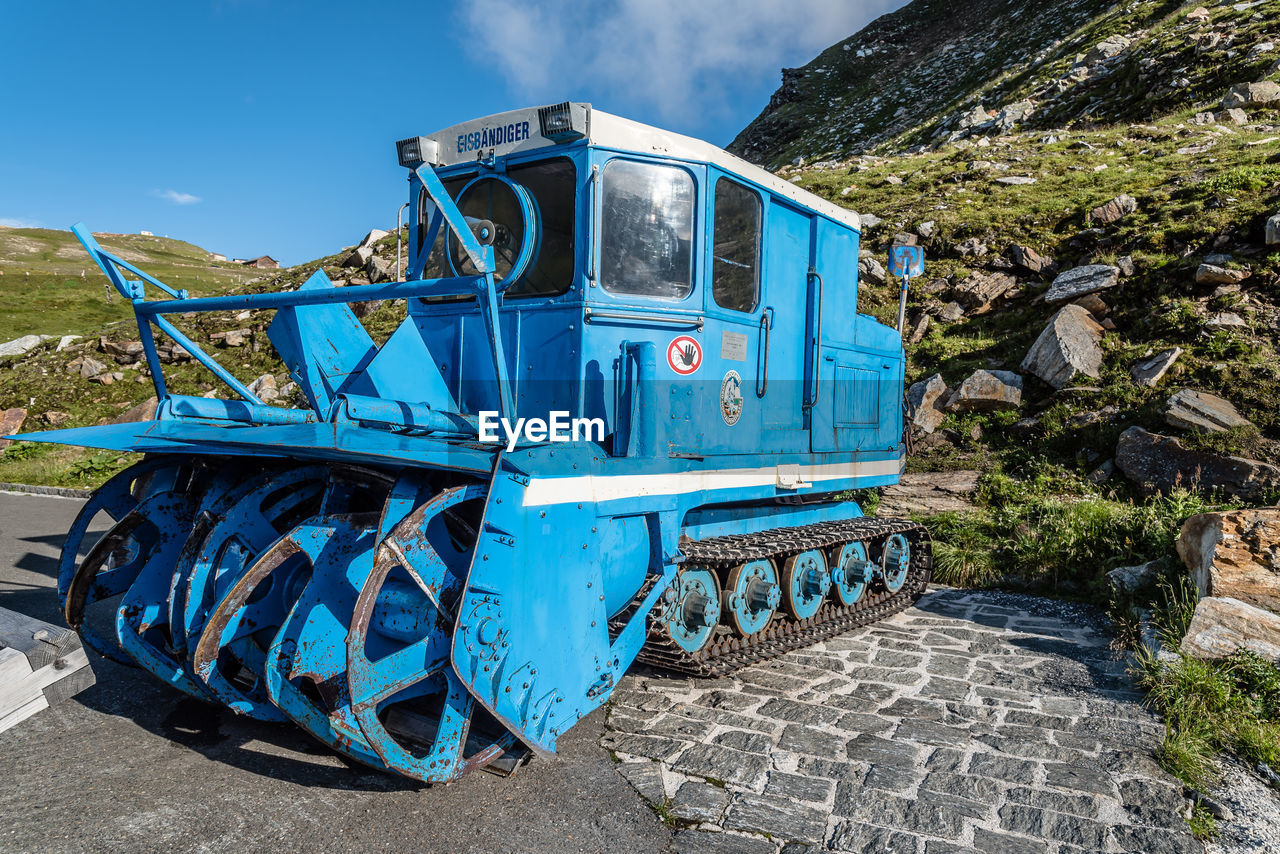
{"type": "Point", "coordinates": [975, 721]}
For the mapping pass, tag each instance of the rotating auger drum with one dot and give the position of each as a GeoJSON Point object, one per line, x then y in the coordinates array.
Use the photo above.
{"type": "Point", "coordinates": [612, 426]}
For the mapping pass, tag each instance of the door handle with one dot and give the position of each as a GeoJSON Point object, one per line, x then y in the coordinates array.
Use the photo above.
{"type": "Point", "coordinates": [762, 372]}
{"type": "Point", "coordinates": [817, 344]}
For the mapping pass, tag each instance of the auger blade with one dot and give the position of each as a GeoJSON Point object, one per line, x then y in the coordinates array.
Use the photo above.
{"type": "Point", "coordinates": [410, 705]}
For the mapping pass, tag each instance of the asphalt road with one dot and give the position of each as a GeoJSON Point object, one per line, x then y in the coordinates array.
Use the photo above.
{"type": "Point", "coordinates": [130, 765]}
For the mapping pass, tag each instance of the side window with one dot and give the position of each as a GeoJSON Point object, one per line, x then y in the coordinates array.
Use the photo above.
{"type": "Point", "coordinates": [646, 235]}
{"type": "Point", "coordinates": [735, 266]}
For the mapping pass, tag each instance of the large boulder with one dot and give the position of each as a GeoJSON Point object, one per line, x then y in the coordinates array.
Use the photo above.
{"type": "Point", "coordinates": [18, 346]}
{"type": "Point", "coordinates": [1150, 371]}
{"type": "Point", "coordinates": [1079, 281]}
{"type": "Point", "coordinates": [924, 403]}
{"type": "Point", "coordinates": [929, 493]}
{"type": "Point", "coordinates": [1199, 410]}
{"type": "Point", "coordinates": [871, 271]}
{"type": "Point", "coordinates": [986, 390]}
{"type": "Point", "coordinates": [1264, 94]}
{"type": "Point", "coordinates": [380, 270]}
{"type": "Point", "coordinates": [1158, 463]}
{"type": "Point", "coordinates": [124, 352]}
{"type": "Point", "coordinates": [1115, 210]}
{"type": "Point", "coordinates": [1236, 554]}
{"type": "Point", "coordinates": [1212, 274]}
{"type": "Point", "coordinates": [145, 411]}
{"type": "Point", "coordinates": [1126, 579]}
{"type": "Point", "coordinates": [1220, 626]}
{"type": "Point", "coordinates": [358, 257]}
{"type": "Point", "coordinates": [980, 290]}
{"type": "Point", "coordinates": [374, 235]}
{"type": "Point", "coordinates": [10, 423]}
{"type": "Point", "coordinates": [1067, 348]}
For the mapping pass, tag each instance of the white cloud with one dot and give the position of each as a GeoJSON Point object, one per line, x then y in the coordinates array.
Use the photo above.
{"type": "Point", "coordinates": [673, 55]}
{"type": "Point", "coordinates": [177, 198]}
{"type": "Point", "coordinates": [19, 222]}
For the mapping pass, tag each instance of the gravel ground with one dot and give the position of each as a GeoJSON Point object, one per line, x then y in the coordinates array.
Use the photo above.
{"type": "Point", "coordinates": [1255, 808]}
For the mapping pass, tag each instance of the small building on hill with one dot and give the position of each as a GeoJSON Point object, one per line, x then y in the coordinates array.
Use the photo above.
{"type": "Point", "coordinates": [217, 256]}
{"type": "Point", "coordinates": [264, 262]}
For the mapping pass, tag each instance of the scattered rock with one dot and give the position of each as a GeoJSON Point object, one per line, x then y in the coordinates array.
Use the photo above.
{"type": "Point", "coordinates": [924, 403]}
{"type": "Point", "coordinates": [233, 337]}
{"type": "Point", "coordinates": [87, 366]}
{"type": "Point", "coordinates": [1220, 626]}
{"type": "Point", "coordinates": [374, 235]}
{"type": "Point", "coordinates": [1126, 579]}
{"type": "Point", "coordinates": [380, 270]}
{"type": "Point", "coordinates": [971, 248]}
{"type": "Point", "coordinates": [1149, 372]}
{"type": "Point", "coordinates": [1235, 554]}
{"type": "Point", "coordinates": [1273, 230]}
{"type": "Point", "coordinates": [987, 390]}
{"type": "Point", "coordinates": [1200, 15]}
{"type": "Point", "coordinates": [65, 341]}
{"type": "Point", "coordinates": [1234, 116]}
{"type": "Point", "coordinates": [1108, 48]}
{"type": "Point", "coordinates": [1199, 410]}
{"type": "Point", "coordinates": [1067, 348]}
{"type": "Point", "coordinates": [171, 353]}
{"type": "Point", "coordinates": [1095, 305]}
{"type": "Point", "coordinates": [10, 423]}
{"type": "Point", "coordinates": [1158, 463]}
{"type": "Point", "coordinates": [1126, 266]}
{"type": "Point", "coordinates": [1264, 94]}
{"type": "Point", "coordinates": [1212, 274]}
{"type": "Point", "coordinates": [1029, 259]}
{"type": "Point", "coordinates": [19, 346]}
{"type": "Point", "coordinates": [124, 352]}
{"type": "Point", "coordinates": [1016, 180]}
{"type": "Point", "coordinates": [871, 271]}
{"type": "Point", "coordinates": [919, 329]}
{"type": "Point", "coordinates": [145, 411]}
{"type": "Point", "coordinates": [951, 312]}
{"type": "Point", "coordinates": [265, 388]}
{"type": "Point", "coordinates": [934, 492]}
{"type": "Point", "coordinates": [1115, 210]}
{"type": "Point", "coordinates": [1226, 320]}
{"type": "Point", "coordinates": [1082, 280]}
{"type": "Point", "coordinates": [55, 418]}
{"type": "Point", "coordinates": [869, 221]}
{"type": "Point", "coordinates": [1014, 114]}
{"type": "Point", "coordinates": [927, 229]}
{"type": "Point", "coordinates": [980, 290]}
{"type": "Point", "coordinates": [359, 257]}
{"type": "Point", "coordinates": [1102, 473]}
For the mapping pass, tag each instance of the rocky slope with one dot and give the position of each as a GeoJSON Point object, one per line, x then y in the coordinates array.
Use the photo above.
{"type": "Point", "coordinates": [934, 69]}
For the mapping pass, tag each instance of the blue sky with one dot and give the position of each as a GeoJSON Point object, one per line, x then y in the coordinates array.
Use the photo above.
{"type": "Point", "coordinates": [267, 126]}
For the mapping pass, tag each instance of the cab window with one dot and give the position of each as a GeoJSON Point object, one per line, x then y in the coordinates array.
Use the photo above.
{"type": "Point", "coordinates": [735, 266]}
{"type": "Point", "coordinates": [646, 235]}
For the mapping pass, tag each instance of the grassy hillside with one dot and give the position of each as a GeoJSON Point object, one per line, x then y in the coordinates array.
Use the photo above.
{"type": "Point", "coordinates": [49, 286]}
{"type": "Point", "coordinates": [910, 77]}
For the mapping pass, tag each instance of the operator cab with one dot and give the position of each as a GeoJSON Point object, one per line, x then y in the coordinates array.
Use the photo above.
{"type": "Point", "coordinates": [611, 237]}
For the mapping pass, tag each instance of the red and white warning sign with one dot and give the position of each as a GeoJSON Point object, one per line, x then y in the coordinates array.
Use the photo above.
{"type": "Point", "coordinates": [684, 355]}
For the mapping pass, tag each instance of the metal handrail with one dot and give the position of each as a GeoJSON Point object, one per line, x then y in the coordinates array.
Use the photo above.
{"type": "Point", "coordinates": [817, 345]}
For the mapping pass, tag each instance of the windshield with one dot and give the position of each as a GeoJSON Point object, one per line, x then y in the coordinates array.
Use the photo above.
{"type": "Point", "coordinates": [646, 237]}
{"type": "Point", "coordinates": [552, 186]}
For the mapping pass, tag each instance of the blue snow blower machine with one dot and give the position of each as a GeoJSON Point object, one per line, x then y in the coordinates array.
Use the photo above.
{"type": "Point", "coordinates": [618, 423]}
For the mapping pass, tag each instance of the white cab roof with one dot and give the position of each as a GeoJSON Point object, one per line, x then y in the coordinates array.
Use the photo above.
{"type": "Point", "coordinates": [518, 130]}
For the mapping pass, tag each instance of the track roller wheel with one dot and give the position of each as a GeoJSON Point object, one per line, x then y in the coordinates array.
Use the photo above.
{"type": "Point", "coordinates": [895, 561]}
{"type": "Point", "coordinates": [151, 503]}
{"type": "Point", "coordinates": [751, 596]}
{"type": "Point", "coordinates": [804, 583]}
{"type": "Point", "coordinates": [851, 572]}
{"type": "Point", "coordinates": [411, 707]}
{"type": "Point", "coordinates": [694, 611]}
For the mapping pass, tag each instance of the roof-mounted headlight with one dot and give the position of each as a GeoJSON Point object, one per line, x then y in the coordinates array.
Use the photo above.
{"type": "Point", "coordinates": [563, 122]}
{"type": "Point", "coordinates": [416, 150]}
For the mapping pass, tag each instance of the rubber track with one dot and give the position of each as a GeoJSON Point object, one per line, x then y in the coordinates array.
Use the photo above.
{"type": "Point", "coordinates": [783, 634]}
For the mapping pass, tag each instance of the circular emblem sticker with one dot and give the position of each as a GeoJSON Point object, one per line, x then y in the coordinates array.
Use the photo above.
{"type": "Point", "coordinates": [684, 355]}
{"type": "Point", "coordinates": [731, 398]}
